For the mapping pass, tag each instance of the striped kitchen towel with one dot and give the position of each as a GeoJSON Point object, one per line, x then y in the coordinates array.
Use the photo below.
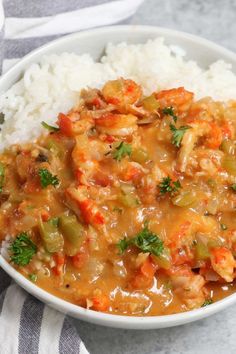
{"type": "Point", "coordinates": [26, 325]}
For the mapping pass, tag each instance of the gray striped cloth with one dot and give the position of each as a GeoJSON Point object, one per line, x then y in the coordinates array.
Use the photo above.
{"type": "Point", "coordinates": [26, 325]}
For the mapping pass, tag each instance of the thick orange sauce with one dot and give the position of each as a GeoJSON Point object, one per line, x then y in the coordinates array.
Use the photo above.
{"type": "Point", "coordinates": [126, 166]}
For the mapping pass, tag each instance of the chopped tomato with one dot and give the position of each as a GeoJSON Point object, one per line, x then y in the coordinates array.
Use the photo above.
{"type": "Point", "coordinates": [81, 258]}
{"type": "Point", "coordinates": [144, 277]}
{"type": "Point", "coordinates": [45, 215]}
{"type": "Point", "coordinates": [215, 137]}
{"type": "Point", "coordinates": [101, 302]}
{"type": "Point", "coordinates": [65, 125]}
{"type": "Point", "coordinates": [59, 259]}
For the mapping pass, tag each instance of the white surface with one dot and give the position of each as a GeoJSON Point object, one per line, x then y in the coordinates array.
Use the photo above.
{"type": "Point", "coordinates": [93, 42]}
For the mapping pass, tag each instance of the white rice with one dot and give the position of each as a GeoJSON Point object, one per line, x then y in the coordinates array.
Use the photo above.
{"type": "Point", "coordinates": [53, 85]}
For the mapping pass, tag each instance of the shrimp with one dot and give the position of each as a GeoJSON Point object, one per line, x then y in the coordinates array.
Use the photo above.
{"type": "Point", "coordinates": [116, 124]}
{"type": "Point", "coordinates": [223, 263]}
{"type": "Point", "coordinates": [179, 98]}
{"type": "Point", "coordinates": [190, 287]}
{"type": "Point", "coordinates": [78, 199]}
{"type": "Point", "coordinates": [121, 92]}
{"type": "Point", "coordinates": [74, 123]}
{"type": "Point", "coordinates": [188, 142]}
{"type": "Point", "coordinates": [86, 156]}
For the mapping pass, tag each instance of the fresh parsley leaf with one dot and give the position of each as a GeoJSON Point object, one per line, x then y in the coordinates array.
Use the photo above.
{"type": "Point", "coordinates": [169, 186]}
{"type": "Point", "coordinates": [177, 134]}
{"type": "Point", "coordinates": [2, 176]}
{"type": "Point", "coordinates": [233, 186]}
{"type": "Point", "coordinates": [22, 249]}
{"type": "Point", "coordinates": [145, 240]}
{"type": "Point", "coordinates": [121, 151]}
{"type": "Point", "coordinates": [223, 227]}
{"type": "Point", "coordinates": [170, 112]}
{"type": "Point", "coordinates": [46, 178]}
{"type": "Point", "coordinates": [33, 277]}
{"type": "Point", "coordinates": [50, 127]}
{"type": "Point", "coordinates": [123, 245]}
{"type": "Point", "coordinates": [207, 302]}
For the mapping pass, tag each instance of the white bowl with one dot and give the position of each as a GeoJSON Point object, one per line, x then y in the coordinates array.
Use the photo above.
{"type": "Point", "coordinates": [94, 42]}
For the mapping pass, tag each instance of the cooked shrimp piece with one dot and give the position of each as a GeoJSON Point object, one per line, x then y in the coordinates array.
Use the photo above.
{"type": "Point", "coordinates": [189, 140]}
{"type": "Point", "coordinates": [86, 156]}
{"type": "Point", "coordinates": [190, 288]}
{"type": "Point", "coordinates": [116, 124]}
{"type": "Point", "coordinates": [223, 263]}
{"type": "Point", "coordinates": [78, 199]}
{"type": "Point", "coordinates": [179, 98]}
{"type": "Point", "coordinates": [73, 123]}
{"type": "Point", "coordinates": [121, 92]}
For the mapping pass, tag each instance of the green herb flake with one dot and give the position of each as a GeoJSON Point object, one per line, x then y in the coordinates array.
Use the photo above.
{"type": "Point", "coordinates": [123, 244]}
{"type": "Point", "coordinates": [169, 111]}
{"type": "Point", "coordinates": [22, 249]}
{"type": "Point", "coordinates": [207, 302]}
{"type": "Point", "coordinates": [50, 127]}
{"type": "Point", "coordinates": [54, 221]}
{"type": "Point", "coordinates": [169, 186]}
{"type": "Point", "coordinates": [118, 210]}
{"type": "Point", "coordinates": [46, 178]}
{"type": "Point", "coordinates": [177, 134]}
{"type": "Point", "coordinates": [233, 186]}
{"type": "Point", "coordinates": [33, 277]}
{"type": "Point", "coordinates": [223, 227]}
{"type": "Point", "coordinates": [145, 240]}
{"type": "Point", "coordinates": [121, 151]}
{"type": "Point", "coordinates": [2, 176]}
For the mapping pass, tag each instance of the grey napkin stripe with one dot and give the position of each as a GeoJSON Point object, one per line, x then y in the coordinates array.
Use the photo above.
{"type": "Point", "coordinates": [2, 297]}
{"type": "Point", "coordinates": [69, 342]}
{"type": "Point", "coordinates": [42, 8]}
{"type": "Point", "coordinates": [31, 313]}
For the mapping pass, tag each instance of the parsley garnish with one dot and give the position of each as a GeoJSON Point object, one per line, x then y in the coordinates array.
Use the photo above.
{"type": "Point", "coordinates": [33, 277]}
{"type": "Point", "coordinates": [177, 134]}
{"type": "Point", "coordinates": [46, 178]}
{"type": "Point", "coordinates": [50, 127]}
{"type": "Point", "coordinates": [233, 186]}
{"type": "Point", "coordinates": [169, 186]}
{"type": "Point", "coordinates": [22, 249]}
{"type": "Point", "coordinates": [145, 240]}
{"type": "Point", "coordinates": [2, 176]}
{"type": "Point", "coordinates": [121, 151]}
{"type": "Point", "coordinates": [207, 302]}
{"type": "Point", "coordinates": [170, 112]}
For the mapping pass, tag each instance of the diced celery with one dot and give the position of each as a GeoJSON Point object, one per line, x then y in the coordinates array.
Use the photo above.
{"type": "Point", "coordinates": [164, 259]}
{"type": "Point", "coordinates": [228, 146]}
{"type": "Point", "coordinates": [128, 200]}
{"type": "Point", "coordinates": [229, 164]}
{"type": "Point", "coordinates": [56, 148]}
{"type": "Point", "coordinates": [150, 103]}
{"type": "Point", "coordinates": [71, 229]}
{"type": "Point", "coordinates": [202, 251]}
{"type": "Point", "coordinates": [185, 199]}
{"type": "Point", "coordinates": [52, 239]}
{"type": "Point", "coordinates": [139, 155]}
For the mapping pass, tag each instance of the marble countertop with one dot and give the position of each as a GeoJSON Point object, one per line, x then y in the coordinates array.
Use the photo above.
{"type": "Point", "coordinates": [214, 20]}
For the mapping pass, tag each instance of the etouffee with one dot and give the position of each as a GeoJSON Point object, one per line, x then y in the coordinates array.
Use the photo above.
{"type": "Point", "coordinates": [127, 204]}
